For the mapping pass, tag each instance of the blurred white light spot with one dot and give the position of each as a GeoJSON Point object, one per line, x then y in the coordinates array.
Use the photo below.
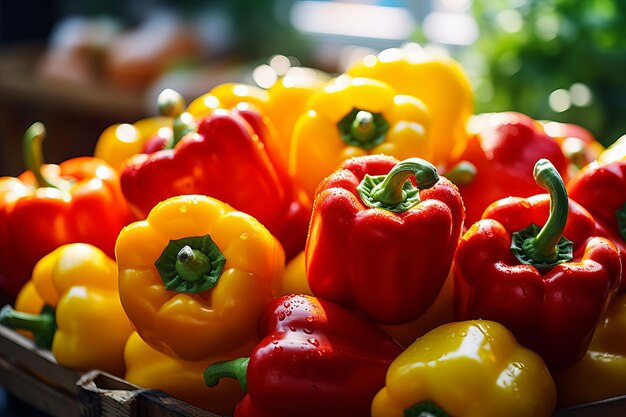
{"type": "Point", "coordinates": [456, 5]}
{"type": "Point", "coordinates": [370, 61]}
{"type": "Point", "coordinates": [352, 19]}
{"type": "Point", "coordinates": [390, 55]}
{"type": "Point", "coordinates": [280, 64]}
{"type": "Point", "coordinates": [580, 94]}
{"type": "Point", "coordinates": [211, 102]}
{"type": "Point", "coordinates": [547, 26]}
{"type": "Point", "coordinates": [554, 129]}
{"type": "Point", "coordinates": [451, 28]}
{"type": "Point", "coordinates": [560, 100]}
{"type": "Point", "coordinates": [264, 76]}
{"type": "Point", "coordinates": [510, 20]}
{"type": "Point", "coordinates": [127, 133]}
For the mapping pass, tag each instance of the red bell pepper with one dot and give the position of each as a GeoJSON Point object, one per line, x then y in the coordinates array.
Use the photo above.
{"type": "Point", "coordinates": [50, 205]}
{"type": "Point", "coordinates": [503, 148]}
{"type": "Point", "coordinates": [601, 189]}
{"type": "Point", "coordinates": [535, 266]}
{"type": "Point", "coordinates": [315, 359]}
{"type": "Point", "coordinates": [231, 157]}
{"type": "Point", "coordinates": [380, 244]}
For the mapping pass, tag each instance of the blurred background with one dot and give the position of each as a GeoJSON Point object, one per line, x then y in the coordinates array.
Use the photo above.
{"type": "Point", "coordinates": [82, 66]}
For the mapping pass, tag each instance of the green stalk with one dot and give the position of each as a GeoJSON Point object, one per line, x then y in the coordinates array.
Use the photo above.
{"type": "Point", "coordinates": [237, 369]}
{"type": "Point", "coordinates": [33, 153]}
{"type": "Point", "coordinates": [43, 325]}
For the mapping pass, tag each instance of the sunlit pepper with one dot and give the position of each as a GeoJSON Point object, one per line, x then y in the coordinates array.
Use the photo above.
{"type": "Point", "coordinates": [382, 237]}
{"type": "Point", "coordinates": [315, 359]}
{"type": "Point", "coordinates": [195, 275]}
{"type": "Point", "coordinates": [436, 80]}
{"type": "Point", "coordinates": [151, 369]}
{"type": "Point", "coordinates": [536, 266]}
{"type": "Point", "coordinates": [601, 189]}
{"type": "Point", "coordinates": [120, 141]}
{"type": "Point", "coordinates": [503, 149]}
{"type": "Point", "coordinates": [355, 117]}
{"type": "Point", "coordinates": [470, 369]}
{"type": "Point", "coordinates": [229, 155]}
{"type": "Point", "coordinates": [83, 321]}
{"type": "Point", "coordinates": [601, 373]}
{"type": "Point", "coordinates": [48, 206]}
{"type": "Point", "coordinates": [615, 152]}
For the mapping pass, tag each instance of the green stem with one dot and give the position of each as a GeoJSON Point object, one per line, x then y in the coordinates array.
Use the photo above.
{"type": "Point", "coordinates": [43, 325]}
{"type": "Point", "coordinates": [425, 409]}
{"type": "Point", "coordinates": [363, 129]}
{"type": "Point", "coordinates": [191, 265]}
{"type": "Point", "coordinates": [172, 104]}
{"type": "Point", "coordinates": [462, 173]}
{"type": "Point", "coordinates": [546, 247]}
{"type": "Point", "coordinates": [394, 192]}
{"type": "Point", "coordinates": [33, 153]}
{"type": "Point", "coordinates": [236, 368]}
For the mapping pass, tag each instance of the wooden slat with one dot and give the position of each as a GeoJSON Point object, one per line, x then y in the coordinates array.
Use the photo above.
{"type": "Point", "coordinates": [36, 392]}
{"type": "Point", "coordinates": [614, 407]}
{"type": "Point", "coordinates": [22, 352]}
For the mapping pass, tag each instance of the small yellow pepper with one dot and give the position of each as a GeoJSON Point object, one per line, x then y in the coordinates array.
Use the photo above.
{"type": "Point", "coordinates": [83, 321]}
{"type": "Point", "coordinates": [438, 81]}
{"type": "Point", "coordinates": [354, 117]}
{"type": "Point", "coordinates": [120, 141]}
{"type": "Point", "coordinates": [470, 369]}
{"type": "Point", "coordinates": [28, 301]}
{"type": "Point", "coordinates": [195, 275]}
{"type": "Point", "coordinates": [615, 152]}
{"type": "Point", "coordinates": [601, 374]}
{"type": "Point", "coordinates": [152, 369]}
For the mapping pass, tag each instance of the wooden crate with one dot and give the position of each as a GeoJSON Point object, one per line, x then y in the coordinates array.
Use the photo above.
{"type": "Point", "coordinates": [33, 375]}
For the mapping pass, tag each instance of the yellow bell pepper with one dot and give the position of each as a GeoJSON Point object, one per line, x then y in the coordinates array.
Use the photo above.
{"type": "Point", "coordinates": [121, 141]}
{"type": "Point", "coordinates": [601, 374]}
{"type": "Point", "coordinates": [195, 275]}
{"type": "Point", "coordinates": [28, 301]}
{"type": "Point", "coordinates": [151, 369]}
{"type": "Point", "coordinates": [438, 81]}
{"type": "Point", "coordinates": [471, 369]}
{"type": "Point", "coordinates": [87, 329]}
{"type": "Point", "coordinates": [353, 117]}
{"type": "Point", "coordinates": [615, 152]}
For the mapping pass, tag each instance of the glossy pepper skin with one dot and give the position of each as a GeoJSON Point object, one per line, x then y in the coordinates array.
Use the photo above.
{"type": "Point", "coordinates": [601, 373]}
{"type": "Point", "coordinates": [471, 369]}
{"type": "Point", "coordinates": [121, 141]}
{"type": "Point", "coordinates": [389, 265]}
{"type": "Point", "coordinates": [352, 117]}
{"type": "Point", "coordinates": [151, 369]}
{"type": "Point", "coordinates": [315, 357]}
{"type": "Point", "coordinates": [232, 158]}
{"type": "Point", "coordinates": [52, 205]}
{"type": "Point", "coordinates": [504, 147]}
{"type": "Point", "coordinates": [601, 189]}
{"type": "Point", "coordinates": [436, 80]}
{"type": "Point", "coordinates": [550, 291]}
{"type": "Point", "coordinates": [84, 323]}
{"type": "Point", "coordinates": [195, 276]}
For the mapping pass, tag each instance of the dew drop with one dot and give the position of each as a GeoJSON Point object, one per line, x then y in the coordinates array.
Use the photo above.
{"type": "Point", "coordinates": [281, 316]}
{"type": "Point", "coordinates": [243, 236]}
{"type": "Point", "coordinates": [278, 349]}
{"type": "Point", "coordinates": [183, 209]}
{"type": "Point", "coordinates": [287, 304]}
{"type": "Point", "coordinates": [292, 328]}
{"type": "Point", "coordinates": [288, 312]}
{"type": "Point", "coordinates": [313, 341]}
{"type": "Point", "coordinates": [307, 330]}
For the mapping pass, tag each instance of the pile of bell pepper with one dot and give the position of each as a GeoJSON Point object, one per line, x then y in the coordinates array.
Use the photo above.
{"type": "Point", "coordinates": [357, 245]}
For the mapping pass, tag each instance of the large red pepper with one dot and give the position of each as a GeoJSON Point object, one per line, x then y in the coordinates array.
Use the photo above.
{"type": "Point", "coordinates": [51, 205]}
{"type": "Point", "coordinates": [315, 359]}
{"type": "Point", "coordinates": [538, 270]}
{"type": "Point", "coordinates": [231, 157]}
{"type": "Point", "coordinates": [378, 242]}
{"type": "Point", "coordinates": [601, 189]}
{"type": "Point", "coordinates": [503, 148]}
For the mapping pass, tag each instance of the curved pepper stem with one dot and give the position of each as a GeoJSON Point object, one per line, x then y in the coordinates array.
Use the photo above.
{"type": "Point", "coordinates": [425, 409]}
{"type": "Point", "coordinates": [43, 325]}
{"type": "Point", "coordinates": [546, 247]}
{"type": "Point", "coordinates": [363, 129]}
{"type": "Point", "coordinates": [191, 265]}
{"type": "Point", "coordinates": [172, 104]}
{"type": "Point", "coordinates": [394, 192]}
{"type": "Point", "coordinates": [33, 153]}
{"type": "Point", "coordinates": [237, 369]}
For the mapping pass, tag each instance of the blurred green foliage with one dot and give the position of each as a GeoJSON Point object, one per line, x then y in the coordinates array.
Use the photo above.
{"type": "Point", "coordinates": [529, 48]}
